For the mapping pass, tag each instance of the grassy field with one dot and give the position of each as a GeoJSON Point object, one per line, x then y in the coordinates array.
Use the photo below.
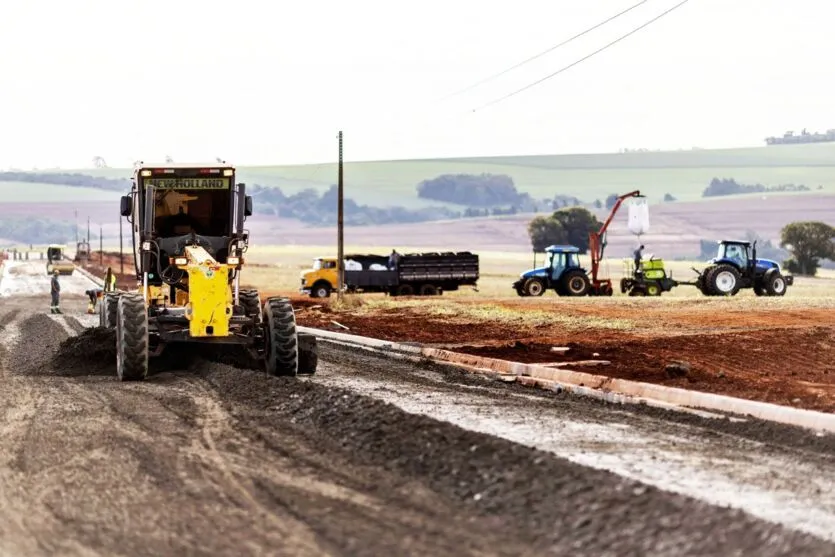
{"type": "Point", "coordinates": [26, 192]}
{"type": "Point", "coordinates": [684, 174]}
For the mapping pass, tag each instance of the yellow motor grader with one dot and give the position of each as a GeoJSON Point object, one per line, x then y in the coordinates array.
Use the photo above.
{"type": "Point", "coordinates": [188, 237]}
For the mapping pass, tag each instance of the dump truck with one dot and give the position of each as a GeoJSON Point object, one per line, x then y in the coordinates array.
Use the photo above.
{"type": "Point", "coordinates": [55, 260]}
{"type": "Point", "coordinates": [189, 241]}
{"type": "Point", "coordinates": [421, 274]}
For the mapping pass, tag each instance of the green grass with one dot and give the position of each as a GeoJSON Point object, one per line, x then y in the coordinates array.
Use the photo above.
{"type": "Point", "coordinates": [684, 174]}
{"type": "Point", "coordinates": [26, 192]}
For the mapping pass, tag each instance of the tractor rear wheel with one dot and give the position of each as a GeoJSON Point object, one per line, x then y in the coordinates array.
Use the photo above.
{"type": "Point", "coordinates": [131, 338]}
{"type": "Point", "coordinates": [534, 287]}
{"type": "Point", "coordinates": [251, 302]}
{"type": "Point", "coordinates": [576, 283]}
{"type": "Point", "coordinates": [774, 283]}
{"type": "Point", "coordinates": [724, 281]}
{"type": "Point", "coordinates": [282, 346]}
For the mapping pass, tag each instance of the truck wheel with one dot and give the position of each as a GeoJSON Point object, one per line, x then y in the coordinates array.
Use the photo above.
{"type": "Point", "coordinates": [534, 287]}
{"type": "Point", "coordinates": [405, 290]}
{"type": "Point", "coordinates": [308, 354]}
{"type": "Point", "coordinates": [320, 290]}
{"type": "Point", "coordinates": [576, 283]}
{"type": "Point", "coordinates": [282, 349]}
{"type": "Point", "coordinates": [428, 290]}
{"type": "Point", "coordinates": [107, 309]}
{"type": "Point", "coordinates": [774, 283]}
{"type": "Point", "coordinates": [724, 280]}
{"type": "Point", "coordinates": [251, 302]}
{"type": "Point", "coordinates": [131, 338]}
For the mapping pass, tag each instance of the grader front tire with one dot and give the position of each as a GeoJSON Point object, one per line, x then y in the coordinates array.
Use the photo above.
{"type": "Point", "coordinates": [131, 338]}
{"type": "Point", "coordinates": [282, 349]}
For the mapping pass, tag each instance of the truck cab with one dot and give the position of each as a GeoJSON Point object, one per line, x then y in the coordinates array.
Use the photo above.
{"type": "Point", "coordinates": [321, 279]}
{"type": "Point", "coordinates": [562, 273]}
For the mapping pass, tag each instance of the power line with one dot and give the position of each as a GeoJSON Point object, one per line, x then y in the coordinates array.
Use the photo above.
{"type": "Point", "coordinates": [583, 59]}
{"type": "Point", "coordinates": [544, 52]}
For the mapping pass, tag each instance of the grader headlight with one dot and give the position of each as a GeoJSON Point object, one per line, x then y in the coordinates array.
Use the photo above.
{"type": "Point", "coordinates": [181, 261]}
{"type": "Point", "coordinates": [233, 260]}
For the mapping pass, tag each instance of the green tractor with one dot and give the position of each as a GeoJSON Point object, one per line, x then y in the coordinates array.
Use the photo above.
{"type": "Point", "coordinates": [650, 279]}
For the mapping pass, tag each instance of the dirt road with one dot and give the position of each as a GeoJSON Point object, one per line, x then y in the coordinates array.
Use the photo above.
{"type": "Point", "coordinates": [207, 459]}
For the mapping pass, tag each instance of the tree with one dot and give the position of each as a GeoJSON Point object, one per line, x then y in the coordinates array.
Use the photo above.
{"type": "Point", "coordinates": [545, 231]}
{"type": "Point", "coordinates": [577, 223]}
{"type": "Point", "coordinates": [611, 200]}
{"type": "Point", "coordinates": [569, 225]}
{"type": "Point", "coordinates": [808, 242]}
{"type": "Point", "coordinates": [669, 197]}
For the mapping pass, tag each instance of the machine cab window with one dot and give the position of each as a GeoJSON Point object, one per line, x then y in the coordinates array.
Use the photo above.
{"type": "Point", "coordinates": [320, 264]}
{"type": "Point", "coordinates": [559, 261]}
{"type": "Point", "coordinates": [734, 252]}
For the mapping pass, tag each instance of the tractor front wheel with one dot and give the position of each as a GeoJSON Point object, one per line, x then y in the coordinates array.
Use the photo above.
{"type": "Point", "coordinates": [774, 283]}
{"type": "Point", "coordinates": [131, 338]}
{"type": "Point", "coordinates": [534, 287]}
{"type": "Point", "coordinates": [282, 347]}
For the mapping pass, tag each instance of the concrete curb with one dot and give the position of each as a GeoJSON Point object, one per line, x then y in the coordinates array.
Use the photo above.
{"type": "Point", "coordinates": [597, 386]}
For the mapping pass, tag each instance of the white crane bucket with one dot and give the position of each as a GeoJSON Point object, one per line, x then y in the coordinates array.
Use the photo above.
{"type": "Point", "coordinates": [639, 216]}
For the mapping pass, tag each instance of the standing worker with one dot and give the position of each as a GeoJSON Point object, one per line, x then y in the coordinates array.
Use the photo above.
{"type": "Point", "coordinates": [109, 280]}
{"type": "Point", "coordinates": [394, 259]}
{"type": "Point", "coordinates": [638, 255]}
{"type": "Point", "coordinates": [56, 293]}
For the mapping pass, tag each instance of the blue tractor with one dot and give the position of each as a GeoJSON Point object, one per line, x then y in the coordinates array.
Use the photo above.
{"type": "Point", "coordinates": [561, 273]}
{"type": "Point", "coordinates": [736, 266]}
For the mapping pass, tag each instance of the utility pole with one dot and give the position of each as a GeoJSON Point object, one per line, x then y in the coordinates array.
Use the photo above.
{"type": "Point", "coordinates": [340, 271]}
{"type": "Point", "coordinates": [88, 234]}
{"type": "Point", "coordinates": [76, 228]}
{"type": "Point", "coordinates": [101, 246]}
{"type": "Point", "coordinates": [121, 254]}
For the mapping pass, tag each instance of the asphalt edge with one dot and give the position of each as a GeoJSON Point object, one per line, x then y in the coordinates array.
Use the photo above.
{"type": "Point", "coordinates": [595, 386]}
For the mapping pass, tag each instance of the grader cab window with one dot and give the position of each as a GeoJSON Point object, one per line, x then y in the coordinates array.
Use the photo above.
{"type": "Point", "coordinates": [186, 205]}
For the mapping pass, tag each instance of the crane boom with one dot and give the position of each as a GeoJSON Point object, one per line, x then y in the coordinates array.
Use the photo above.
{"type": "Point", "coordinates": [603, 287]}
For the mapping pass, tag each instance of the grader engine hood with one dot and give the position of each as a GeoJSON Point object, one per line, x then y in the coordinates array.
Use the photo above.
{"type": "Point", "coordinates": [210, 298]}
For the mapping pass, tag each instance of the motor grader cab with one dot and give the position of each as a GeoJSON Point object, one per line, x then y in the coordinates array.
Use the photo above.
{"type": "Point", "coordinates": [55, 260]}
{"type": "Point", "coordinates": [82, 251]}
{"type": "Point", "coordinates": [188, 236]}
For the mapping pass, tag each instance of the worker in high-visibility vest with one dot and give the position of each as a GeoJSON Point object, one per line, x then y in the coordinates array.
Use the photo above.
{"type": "Point", "coordinates": [109, 280]}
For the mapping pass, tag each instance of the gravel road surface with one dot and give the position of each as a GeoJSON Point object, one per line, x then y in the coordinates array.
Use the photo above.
{"type": "Point", "coordinates": [208, 459]}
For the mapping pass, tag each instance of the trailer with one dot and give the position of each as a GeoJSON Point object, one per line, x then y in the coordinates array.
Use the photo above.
{"type": "Point", "coordinates": [421, 274]}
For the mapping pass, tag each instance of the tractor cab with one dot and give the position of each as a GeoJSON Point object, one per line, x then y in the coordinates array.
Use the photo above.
{"type": "Point", "coordinates": [737, 252]}
{"type": "Point", "coordinates": [562, 273]}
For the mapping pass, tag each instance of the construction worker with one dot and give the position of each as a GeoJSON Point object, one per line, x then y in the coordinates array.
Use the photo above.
{"type": "Point", "coordinates": [56, 293]}
{"type": "Point", "coordinates": [394, 259]}
{"type": "Point", "coordinates": [638, 255]}
{"type": "Point", "coordinates": [94, 294]}
{"type": "Point", "coordinates": [109, 280]}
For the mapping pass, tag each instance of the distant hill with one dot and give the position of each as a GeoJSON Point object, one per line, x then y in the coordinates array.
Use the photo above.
{"type": "Point", "coordinates": [684, 174]}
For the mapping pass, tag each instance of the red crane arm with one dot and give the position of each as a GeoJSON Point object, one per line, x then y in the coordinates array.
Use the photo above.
{"type": "Point", "coordinates": [595, 244]}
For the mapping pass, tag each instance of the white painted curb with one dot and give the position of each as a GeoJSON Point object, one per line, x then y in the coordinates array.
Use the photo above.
{"type": "Point", "coordinates": [598, 386]}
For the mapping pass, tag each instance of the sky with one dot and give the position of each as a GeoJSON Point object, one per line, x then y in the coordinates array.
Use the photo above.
{"type": "Point", "coordinates": [258, 82]}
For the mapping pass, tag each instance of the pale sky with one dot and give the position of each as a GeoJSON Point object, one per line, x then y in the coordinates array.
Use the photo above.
{"type": "Point", "coordinates": [261, 82]}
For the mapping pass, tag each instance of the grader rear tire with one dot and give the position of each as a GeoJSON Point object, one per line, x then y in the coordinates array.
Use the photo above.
{"type": "Point", "coordinates": [282, 350]}
{"type": "Point", "coordinates": [107, 309]}
{"type": "Point", "coordinates": [251, 302]}
{"type": "Point", "coordinates": [308, 355]}
{"type": "Point", "coordinates": [131, 338]}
